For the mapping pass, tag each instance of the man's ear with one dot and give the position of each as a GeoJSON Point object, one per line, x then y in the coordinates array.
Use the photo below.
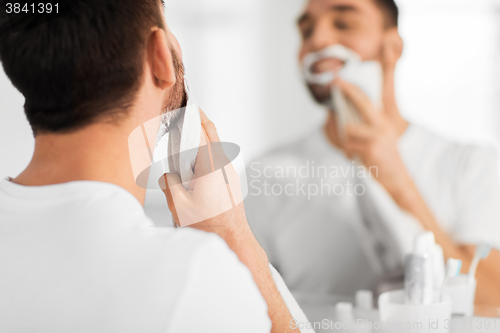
{"type": "Point", "coordinates": [392, 49]}
{"type": "Point", "coordinates": [160, 59]}
{"type": "Point", "coordinates": [393, 43]}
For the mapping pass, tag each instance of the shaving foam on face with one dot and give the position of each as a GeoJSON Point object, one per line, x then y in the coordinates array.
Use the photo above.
{"type": "Point", "coordinates": [367, 75]}
{"type": "Point", "coordinates": [336, 51]}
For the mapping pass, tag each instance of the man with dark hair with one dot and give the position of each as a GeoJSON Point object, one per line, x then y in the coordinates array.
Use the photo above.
{"type": "Point", "coordinates": [390, 11]}
{"type": "Point", "coordinates": [317, 206]}
{"type": "Point", "coordinates": [77, 252]}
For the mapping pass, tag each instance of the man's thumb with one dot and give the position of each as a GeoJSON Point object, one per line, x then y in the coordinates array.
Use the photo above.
{"type": "Point", "coordinates": [171, 185]}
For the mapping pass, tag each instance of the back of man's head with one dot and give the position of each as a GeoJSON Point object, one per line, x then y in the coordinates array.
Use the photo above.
{"type": "Point", "coordinates": [83, 67]}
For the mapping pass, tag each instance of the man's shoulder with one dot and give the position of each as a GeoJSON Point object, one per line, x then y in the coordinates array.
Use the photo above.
{"type": "Point", "coordinates": [438, 149]}
{"type": "Point", "coordinates": [187, 242]}
{"type": "Point", "coordinates": [125, 216]}
{"type": "Point", "coordinates": [100, 213]}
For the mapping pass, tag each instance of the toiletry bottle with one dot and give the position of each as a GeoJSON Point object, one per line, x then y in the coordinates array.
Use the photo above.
{"type": "Point", "coordinates": [419, 278]}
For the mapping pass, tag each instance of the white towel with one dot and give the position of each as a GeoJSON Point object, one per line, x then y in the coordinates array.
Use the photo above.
{"type": "Point", "coordinates": [367, 75]}
{"type": "Point", "coordinates": [178, 140]}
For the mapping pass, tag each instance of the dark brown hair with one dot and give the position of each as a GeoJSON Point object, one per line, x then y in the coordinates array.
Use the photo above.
{"type": "Point", "coordinates": [390, 11]}
{"type": "Point", "coordinates": [84, 66]}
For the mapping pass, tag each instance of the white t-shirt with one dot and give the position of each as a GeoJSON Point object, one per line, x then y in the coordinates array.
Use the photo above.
{"type": "Point", "coordinates": [302, 206]}
{"type": "Point", "coordinates": [83, 257]}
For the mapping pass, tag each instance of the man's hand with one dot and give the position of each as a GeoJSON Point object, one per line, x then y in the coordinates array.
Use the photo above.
{"type": "Point", "coordinates": [213, 201]}
{"type": "Point", "coordinates": [213, 191]}
{"type": "Point", "coordinates": [375, 141]}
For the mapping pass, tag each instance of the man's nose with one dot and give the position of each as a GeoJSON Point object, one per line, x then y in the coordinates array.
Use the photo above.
{"type": "Point", "coordinates": [324, 35]}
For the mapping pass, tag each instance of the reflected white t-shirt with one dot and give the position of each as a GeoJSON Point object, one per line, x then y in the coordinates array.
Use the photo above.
{"type": "Point", "coordinates": [83, 257]}
{"type": "Point", "coordinates": [304, 218]}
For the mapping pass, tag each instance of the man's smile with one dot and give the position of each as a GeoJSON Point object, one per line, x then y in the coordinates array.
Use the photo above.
{"type": "Point", "coordinates": [327, 65]}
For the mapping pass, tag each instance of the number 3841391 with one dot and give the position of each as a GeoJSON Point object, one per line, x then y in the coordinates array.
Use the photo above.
{"type": "Point", "coordinates": [31, 8]}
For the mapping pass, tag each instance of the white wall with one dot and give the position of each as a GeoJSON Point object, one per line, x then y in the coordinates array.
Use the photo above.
{"type": "Point", "coordinates": [16, 140]}
{"type": "Point", "coordinates": [449, 77]}
{"type": "Point", "coordinates": [223, 54]}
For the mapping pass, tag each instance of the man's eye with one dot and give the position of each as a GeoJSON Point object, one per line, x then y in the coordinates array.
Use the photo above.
{"type": "Point", "coordinates": [307, 32]}
{"type": "Point", "coordinates": [342, 25]}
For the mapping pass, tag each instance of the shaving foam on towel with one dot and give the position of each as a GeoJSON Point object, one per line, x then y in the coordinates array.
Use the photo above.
{"type": "Point", "coordinates": [367, 75]}
{"type": "Point", "coordinates": [178, 139]}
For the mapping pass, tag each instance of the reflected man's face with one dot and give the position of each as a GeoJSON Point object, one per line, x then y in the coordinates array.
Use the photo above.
{"type": "Point", "coordinates": [356, 24]}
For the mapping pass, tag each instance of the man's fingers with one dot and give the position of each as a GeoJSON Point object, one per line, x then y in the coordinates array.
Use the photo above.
{"type": "Point", "coordinates": [355, 146]}
{"type": "Point", "coordinates": [204, 161]}
{"type": "Point", "coordinates": [359, 99]}
{"type": "Point", "coordinates": [353, 149]}
{"type": "Point", "coordinates": [215, 151]}
{"type": "Point", "coordinates": [204, 138]}
{"type": "Point", "coordinates": [359, 132]}
{"type": "Point", "coordinates": [171, 185]}
{"type": "Point", "coordinates": [209, 127]}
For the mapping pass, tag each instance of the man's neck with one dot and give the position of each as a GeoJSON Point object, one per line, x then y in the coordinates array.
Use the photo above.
{"type": "Point", "coordinates": [98, 152]}
{"type": "Point", "coordinates": [332, 132]}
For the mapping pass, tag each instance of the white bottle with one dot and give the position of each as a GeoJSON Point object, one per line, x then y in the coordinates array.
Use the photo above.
{"type": "Point", "coordinates": [364, 311]}
{"type": "Point", "coordinates": [344, 313]}
{"type": "Point", "coordinates": [346, 321]}
{"type": "Point", "coordinates": [419, 277]}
